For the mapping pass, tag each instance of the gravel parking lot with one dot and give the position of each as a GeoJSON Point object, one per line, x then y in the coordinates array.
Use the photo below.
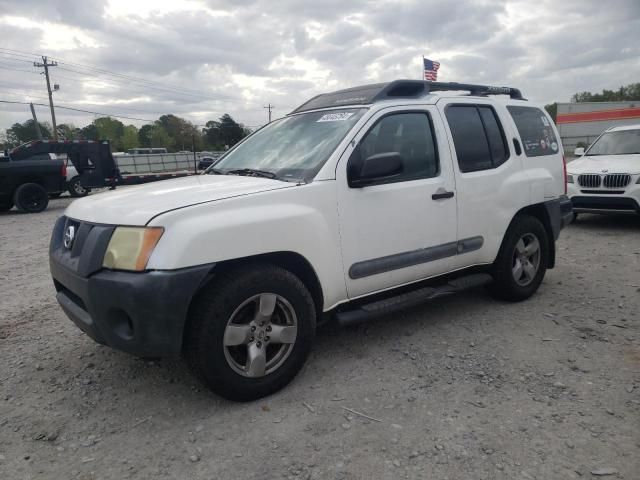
{"type": "Point", "coordinates": [465, 387]}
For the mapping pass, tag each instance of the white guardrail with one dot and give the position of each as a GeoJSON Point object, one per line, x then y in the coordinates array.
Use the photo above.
{"type": "Point", "coordinates": [155, 163]}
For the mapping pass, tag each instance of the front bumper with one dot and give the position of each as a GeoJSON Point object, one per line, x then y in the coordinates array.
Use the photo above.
{"type": "Point", "coordinates": [625, 201]}
{"type": "Point", "coordinates": [142, 314]}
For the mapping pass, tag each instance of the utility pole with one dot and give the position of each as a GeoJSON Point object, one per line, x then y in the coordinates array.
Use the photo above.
{"type": "Point", "coordinates": [35, 122]}
{"type": "Point", "coordinates": [270, 107]}
{"type": "Point", "coordinates": [46, 66]}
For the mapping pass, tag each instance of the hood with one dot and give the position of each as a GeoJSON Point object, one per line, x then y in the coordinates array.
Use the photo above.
{"type": "Point", "coordinates": [137, 205]}
{"type": "Point", "coordinates": [612, 163]}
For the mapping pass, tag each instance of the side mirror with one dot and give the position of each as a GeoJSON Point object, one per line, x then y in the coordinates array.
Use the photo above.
{"type": "Point", "coordinates": [374, 169]}
{"type": "Point", "coordinates": [578, 152]}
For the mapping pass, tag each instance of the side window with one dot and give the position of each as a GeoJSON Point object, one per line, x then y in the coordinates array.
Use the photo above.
{"type": "Point", "coordinates": [497, 142]}
{"type": "Point", "coordinates": [477, 136]}
{"type": "Point", "coordinates": [409, 134]}
{"type": "Point", "coordinates": [535, 131]}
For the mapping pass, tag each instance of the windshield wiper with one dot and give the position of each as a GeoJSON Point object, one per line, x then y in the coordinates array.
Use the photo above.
{"type": "Point", "coordinates": [251, 172]}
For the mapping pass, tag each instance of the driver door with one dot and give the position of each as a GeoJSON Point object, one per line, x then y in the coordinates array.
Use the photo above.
{"type": "Point", "coordinates": [403, 228]}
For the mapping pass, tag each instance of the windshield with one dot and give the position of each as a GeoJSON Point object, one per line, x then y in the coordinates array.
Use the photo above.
{"type": "Point", "coordinates": [623, 142]}
{"type": "Point", "coordinates": [293, 148]}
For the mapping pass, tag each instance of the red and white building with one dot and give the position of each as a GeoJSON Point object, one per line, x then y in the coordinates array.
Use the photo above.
{"type": "Point", "coordinates": [583, 122]}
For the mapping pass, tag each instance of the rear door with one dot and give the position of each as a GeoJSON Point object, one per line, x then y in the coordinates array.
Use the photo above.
{"type": "Point", "coordinates": [490, 184]}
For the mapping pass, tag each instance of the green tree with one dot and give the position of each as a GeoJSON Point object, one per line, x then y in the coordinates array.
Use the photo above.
{"type": "Point", "coordinates": [231, 132]}
{"type": "Point", "coordinates": [213, 136]}
{"type": "Point", "coordinates": [68, 130]}
{"type": "Point", "coordinates": [552, 110]}
{"type": "Point", "coordinates": [183, 132]}
{"type": "Point", "coordinates": [25, 132]}
{"type": "Point", "coordinates": [110, 129]}
{"type": "Point", "coordinates": [629, 92]}
{"type": "Point", "coordinates": [144, 135]}
{"type": "Point", "coordinates": [129, 137]}
{"type": "Point", "coordinates": [160, 138]}
{"type": "Point", "coordinates": [90, 132]}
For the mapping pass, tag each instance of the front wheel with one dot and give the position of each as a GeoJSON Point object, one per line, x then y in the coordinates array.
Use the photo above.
{"type": "Point", "coordinates": [76, 189]}
{"type": "Point", "coordinates": [522, 260]}
{"type": "Point", "coordinates": [250, 332]}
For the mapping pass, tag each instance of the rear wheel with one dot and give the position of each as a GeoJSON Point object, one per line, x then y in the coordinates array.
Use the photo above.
{"type": "Point", "coordinates": [76, 189]}
{"type": "Point", "coordinates": [251, 332]}
{"type": "Point", "coordinates": [522, 260]}
{"type": "Point", "coordinates": [31, 198]}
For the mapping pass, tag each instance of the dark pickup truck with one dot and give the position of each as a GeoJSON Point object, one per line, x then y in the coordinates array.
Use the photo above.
{"type": "Point", "coordinates": [28, 175]}
{"type": "Point", "coordinates": [27, 183]}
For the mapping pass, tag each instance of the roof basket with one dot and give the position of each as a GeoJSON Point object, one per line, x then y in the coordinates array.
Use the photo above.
{"type": "Point", "coordinates": [367, 94]}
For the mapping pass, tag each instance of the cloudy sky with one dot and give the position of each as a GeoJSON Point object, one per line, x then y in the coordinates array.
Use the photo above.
{"type": "Point", "coordinates": [202, 58]}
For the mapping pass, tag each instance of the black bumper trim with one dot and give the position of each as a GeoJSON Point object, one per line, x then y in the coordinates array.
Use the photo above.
{"type": "Point", "coordinates": [142, 314]}
{"type": "Point", "coordinates": [583, 203]}
{"type": "Point", "coordinates": [560, 211]}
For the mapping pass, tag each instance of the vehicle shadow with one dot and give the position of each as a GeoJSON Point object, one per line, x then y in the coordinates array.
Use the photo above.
{"type": "Point", "coordinates": [624, 223]}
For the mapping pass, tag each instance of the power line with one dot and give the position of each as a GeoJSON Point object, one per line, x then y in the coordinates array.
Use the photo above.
{"type": "Point", "coordinates": [122, 77]}
{"type": "Point", "coordinates": [150, 86]}
{"type": "Point", "coordinates": [81, 110]}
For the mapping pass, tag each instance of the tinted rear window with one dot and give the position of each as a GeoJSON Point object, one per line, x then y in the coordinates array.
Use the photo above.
{"type": "Point", "coordinates": [535, 130]}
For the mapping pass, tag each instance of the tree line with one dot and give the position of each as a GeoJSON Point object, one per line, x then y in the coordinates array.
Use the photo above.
{"type": "Point", "coordinates": [169, 131]}
{"type": "Point", "coordinates": [627, 93]}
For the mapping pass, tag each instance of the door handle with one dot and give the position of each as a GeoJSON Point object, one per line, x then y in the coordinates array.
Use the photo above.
{"type": "Point", "coordinates": [442, 194]}
{"type": "Point", "coordinates": [516, 145]}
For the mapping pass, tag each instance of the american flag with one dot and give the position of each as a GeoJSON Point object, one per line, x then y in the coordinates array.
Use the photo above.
{"type": "Point", "coordinates": [430, 69]}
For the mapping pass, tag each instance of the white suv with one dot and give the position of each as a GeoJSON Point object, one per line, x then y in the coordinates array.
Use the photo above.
{"type": "Point", "coordinates": [357, 204]}
{"type": "Point", "coordinates": [606, 179]}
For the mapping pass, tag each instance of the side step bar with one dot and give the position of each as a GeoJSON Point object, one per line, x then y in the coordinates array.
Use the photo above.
{"type": "Point", "coordinates": [410, 299]}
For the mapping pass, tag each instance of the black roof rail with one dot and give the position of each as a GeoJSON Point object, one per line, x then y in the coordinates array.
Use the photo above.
{"type": "Point", "coordinates": [475, 90]}
{"type": "Point", "coordinates": [367, 94]}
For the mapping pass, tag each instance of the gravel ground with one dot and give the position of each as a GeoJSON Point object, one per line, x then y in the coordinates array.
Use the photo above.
{"type": "Point", "coordinates": [465, 387]}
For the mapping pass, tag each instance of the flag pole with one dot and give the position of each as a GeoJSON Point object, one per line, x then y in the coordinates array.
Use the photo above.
{"type": "Point", "coordinates": [422, 68]}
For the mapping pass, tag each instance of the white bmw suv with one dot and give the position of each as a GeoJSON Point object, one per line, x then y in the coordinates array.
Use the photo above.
{"type": "Point", "coordinates": [606, 178]}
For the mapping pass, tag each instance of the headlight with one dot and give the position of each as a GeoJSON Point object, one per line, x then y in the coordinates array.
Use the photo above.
{"type": "Point", "coordinates": [131, 247]}
{"type": "Point", "coordinates": [569, 178]}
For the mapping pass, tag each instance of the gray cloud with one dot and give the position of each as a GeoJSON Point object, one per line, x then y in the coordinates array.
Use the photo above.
{"type": "Point", "coordinates": [237, 56]}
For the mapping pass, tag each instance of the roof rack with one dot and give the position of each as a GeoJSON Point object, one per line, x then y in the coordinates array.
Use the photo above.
{"type": "Point", "coordinates": [367, 94]}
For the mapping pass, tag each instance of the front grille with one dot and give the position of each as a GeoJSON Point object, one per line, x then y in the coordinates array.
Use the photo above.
{"type": "Point", "coordinates": [617, 180]}
{"type": "Point", "coordinates": [612, 180]}
{"type": "Point", "coordinates": [86, 251]}
{"type": "Point", "coordinates": [589, 180]}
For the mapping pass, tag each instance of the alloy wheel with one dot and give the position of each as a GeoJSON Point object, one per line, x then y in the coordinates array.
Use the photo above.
{"type": "Point", "coordinates": [260, 335]}
{"type": "Point", "coordinates": [526, 259]}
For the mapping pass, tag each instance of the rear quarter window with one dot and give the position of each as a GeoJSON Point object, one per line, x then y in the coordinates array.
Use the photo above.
{"type": "Point", "coordinates": [536, 131]}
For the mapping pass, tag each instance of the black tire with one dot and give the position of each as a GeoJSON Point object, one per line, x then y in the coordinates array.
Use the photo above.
{"type": "Point", "coordinates": [505, 268]}
{"type": "Point", "coordinates": [218, 304]}
{"type": "Point", "coordinates": [31, 198]}
{"type": "Point", "coordinates": [6, 204]}
{"type": "Point", "coordinates": [575, 216]}
{"type": "Point", "coordinates": [76, 189]}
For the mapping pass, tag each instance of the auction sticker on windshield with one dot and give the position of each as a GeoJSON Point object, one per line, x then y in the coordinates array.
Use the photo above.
{"type": "Point", "coordinates": [335, 117]}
